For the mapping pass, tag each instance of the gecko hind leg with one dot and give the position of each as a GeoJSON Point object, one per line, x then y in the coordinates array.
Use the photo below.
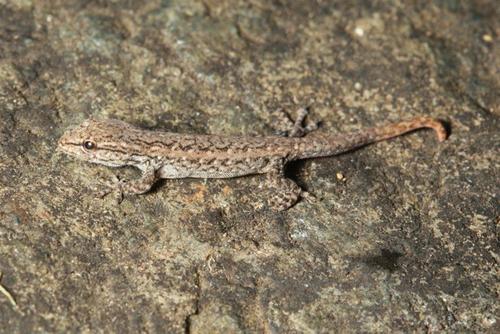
{"type": "Point", "coordinates": [285, 192]}
{"type": "Point", "coordinates": [295, 128]}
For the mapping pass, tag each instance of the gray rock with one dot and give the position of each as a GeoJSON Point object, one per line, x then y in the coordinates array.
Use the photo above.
{"type": "Point", "coordinates": [405, 240]}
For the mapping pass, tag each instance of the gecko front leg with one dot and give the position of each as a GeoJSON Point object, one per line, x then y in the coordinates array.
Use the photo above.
{"type": "Point", "coordinates": [141, 185]}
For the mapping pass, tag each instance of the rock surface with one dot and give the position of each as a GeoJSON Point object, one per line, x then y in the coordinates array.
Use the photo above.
{"type": "Point", "coordinates": [403, 235]}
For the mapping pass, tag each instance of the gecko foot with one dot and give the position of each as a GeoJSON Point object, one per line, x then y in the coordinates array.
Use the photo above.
{"type": "Point", "coordinates": [295, 128]}
{"type": "Point", "coordinates": [115, 186]}
{"type": "Point", "coordinates": [307, 196]}
{"type": "Point", "coordinates": [285, 193]}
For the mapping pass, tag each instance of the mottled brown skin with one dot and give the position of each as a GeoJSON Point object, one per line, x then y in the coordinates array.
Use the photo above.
{"type": "Point", "coordinates": [171, 155]}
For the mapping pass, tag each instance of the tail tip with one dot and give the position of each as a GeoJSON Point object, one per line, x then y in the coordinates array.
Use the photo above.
{"type": "Point", "coordinates": [439, 127]}
{"type": "Point", "coordinates": [441, 130]}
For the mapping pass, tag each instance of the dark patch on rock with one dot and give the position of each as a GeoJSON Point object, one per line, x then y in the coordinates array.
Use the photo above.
{"type": "Point", "coordinates": [387, 260]}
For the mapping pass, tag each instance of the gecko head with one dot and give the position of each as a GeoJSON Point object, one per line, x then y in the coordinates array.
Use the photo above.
{"type": "Point", "coordinates": [97, 141]}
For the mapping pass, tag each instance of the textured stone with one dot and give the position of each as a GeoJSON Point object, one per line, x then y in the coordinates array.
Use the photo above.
{"type": "Point", "coordinates": [405, 241]}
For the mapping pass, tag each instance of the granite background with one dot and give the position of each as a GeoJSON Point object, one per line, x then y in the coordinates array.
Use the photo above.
{"type": "Point", "coordinates": [405, 241]}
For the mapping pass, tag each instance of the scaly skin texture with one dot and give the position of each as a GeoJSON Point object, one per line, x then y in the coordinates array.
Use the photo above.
{"type": "Point", "coordinates": [171, 155]}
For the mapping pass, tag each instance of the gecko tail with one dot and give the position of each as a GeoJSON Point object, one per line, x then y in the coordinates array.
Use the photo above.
{"type": "Point", "coordinates": [398, 129]}
{"type": "Point", "coordinates": [330, 145]}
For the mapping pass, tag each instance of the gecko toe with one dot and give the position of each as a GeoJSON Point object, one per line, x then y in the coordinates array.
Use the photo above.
{"type": "Point", "coordinates": [307, 196]}
{"type": "Point", "coordinates": [114, 186]}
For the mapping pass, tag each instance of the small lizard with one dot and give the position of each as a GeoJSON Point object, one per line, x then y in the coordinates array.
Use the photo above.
{"type": "Point", "coordinates": [169, 155]}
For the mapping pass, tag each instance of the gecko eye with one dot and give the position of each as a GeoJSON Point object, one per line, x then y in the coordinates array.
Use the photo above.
{"type": "Point", "coordinates": [88, 145]}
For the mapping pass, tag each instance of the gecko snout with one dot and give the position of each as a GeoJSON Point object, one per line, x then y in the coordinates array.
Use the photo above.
{"type": "Point", "coordinates": [61, 142]}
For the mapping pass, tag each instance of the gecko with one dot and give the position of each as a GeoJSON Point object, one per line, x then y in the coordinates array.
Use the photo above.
{"type": "Point", "coordinates": [168, 155]}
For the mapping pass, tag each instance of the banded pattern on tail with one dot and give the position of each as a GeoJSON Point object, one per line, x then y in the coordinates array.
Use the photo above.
{"type": "Point", "coordinates": [321, 145]}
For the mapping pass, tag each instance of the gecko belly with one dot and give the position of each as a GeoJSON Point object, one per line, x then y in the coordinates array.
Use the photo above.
{"type": "Point", "coordinates": [215, 168]}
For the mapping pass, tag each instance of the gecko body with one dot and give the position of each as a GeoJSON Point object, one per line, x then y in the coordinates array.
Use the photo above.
{"type": "Point", "coordinates": [169, 155]}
